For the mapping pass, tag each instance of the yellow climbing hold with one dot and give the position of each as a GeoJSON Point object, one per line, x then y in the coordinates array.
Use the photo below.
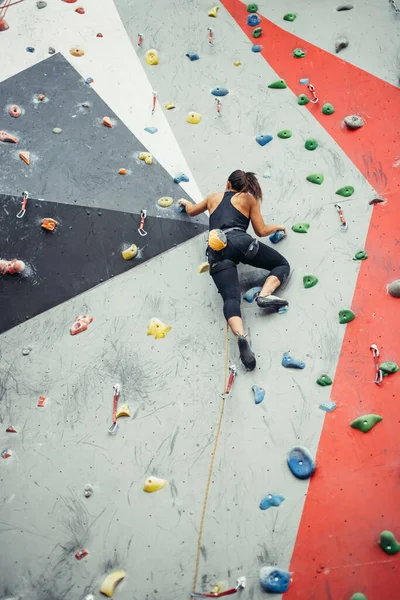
{"type": "Point", "coordinates": [110, 582]}
{"type": "Point", "coordinates": [170, 105]}
{"type": "Point", "coordinates": [165, 201]}
{"type": "Point", "coordinates": [123, 411]}
{"type": "Point", "coordinates": [237, 63]}
{"type": "Point", "coordinates": [147, 157]}
{"type": "Point", "coordinates": [213, 11]}
{"type": "Point", "coordinates": [152, 57]}
{"type": "Point", "coordinates": [193, 118]}
{"type": "Point", "coordinates": [203, 267]}
{"type": "Point", "coordinates": [158, 328]}
{"type": "Point", "coordinates": [130, 252]}
{"type": "Point", "coordinates": [153, 484]}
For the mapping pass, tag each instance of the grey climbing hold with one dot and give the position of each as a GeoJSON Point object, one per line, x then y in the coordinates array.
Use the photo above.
{"type": "Point", "coordinates": [193, 56]}
{"type": "Point", "coordinates": [26, 351]}
{"type": "Point", "coordinates": [219, 91]}
{"type": "Point", "coordinates": [41, 4]}
{"type": "Point", "coordinates": [292, 363]}
{"type": "Point", "coordinates": [354, 122]}
{"type": "Point", "coordinates": [328, 406]}
{"type": "Point", "coordinates": [394, 288]}
{"type": "Point", "coordinates": [51, 50]}
{"type": "Point", "coordinates": [344, 7]}
{"type": "Point", "coordinates": [57, 130]}
{"type": "Point", "coordinates": [88, 490]}
{"type": "Point", "coordinates": [263, 140]}
{"type": "Point", "coordinates": [251, 294]}
{"type": "Point", "coordinates": [259, 394]}
{"type": "Point", "coordinates": [341, 44]}
{"type": "Point", "coordinates": [271, 500]}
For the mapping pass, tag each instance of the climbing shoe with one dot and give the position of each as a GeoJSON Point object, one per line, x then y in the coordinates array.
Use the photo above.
{"type": "Point", "coordinates": [246, 354]}
{"type": "Point", "coordinates": [271, 301]}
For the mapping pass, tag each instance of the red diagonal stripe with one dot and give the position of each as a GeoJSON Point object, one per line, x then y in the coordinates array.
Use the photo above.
{"type": "Point", "coordinates": [355, 493]}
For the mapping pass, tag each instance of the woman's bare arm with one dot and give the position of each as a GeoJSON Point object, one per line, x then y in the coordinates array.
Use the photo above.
{"type": "Point", "coordinates": [260, 227]}
{"type": "Point", "coordinates": [194, 209]}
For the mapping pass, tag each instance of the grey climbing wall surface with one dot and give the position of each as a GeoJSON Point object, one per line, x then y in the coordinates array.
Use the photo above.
{"type": "Point", "coordinates": [173, 384]}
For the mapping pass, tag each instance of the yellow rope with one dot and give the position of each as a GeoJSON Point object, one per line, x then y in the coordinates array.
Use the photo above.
{"type": "Point", "coordinates": [211, 467]}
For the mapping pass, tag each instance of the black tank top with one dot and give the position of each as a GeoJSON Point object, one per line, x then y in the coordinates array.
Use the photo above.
{"type": "Point", "coordinates": [226, 215]}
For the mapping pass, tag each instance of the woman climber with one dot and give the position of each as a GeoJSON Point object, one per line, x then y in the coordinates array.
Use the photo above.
{"type": "Point", "coordinates": [229, 244]}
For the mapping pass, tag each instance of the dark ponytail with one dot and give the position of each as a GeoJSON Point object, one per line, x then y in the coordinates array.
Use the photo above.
{"type": "Point", "coordinates": [245, 182]}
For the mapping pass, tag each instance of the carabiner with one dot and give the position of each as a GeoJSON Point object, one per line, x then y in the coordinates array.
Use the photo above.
{"type": "Point", "coordinates": [143, 215]}
{"type": "Point", "coordinates": [343, 221]}
{"type": "Point", "coordinates": [378, 373]}
{"type": "Point", "coordinates": [314, 98]}
{"type": "Point", "coordinates": [23, 205]}
{"type": "Point", "coordinates": [232, 375]}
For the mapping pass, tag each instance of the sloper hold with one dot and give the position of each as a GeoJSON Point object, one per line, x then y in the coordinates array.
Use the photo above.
{"type": "Point", "coordinates": [278, 85]}
{"type": "Point", "coordinates": [154, 484]}
{"type": "Point", "coordinates": [158, 328]}
{"type": "Point", "coordinates": [130, 252]}
{"type": "Point", "coordinates": [276, 236]}
{"type": "Point", "coordinates": [274, 580]}
{"type": "Point", "coordinates": [213, 12]}
{"type": "Point", "coordinates": [289, 17]}
{"type": "Point", "coordinates": [251, 294]}
{"type": "Point", "coordinates": [193, 56]}
{"type": "Point", "coordinates": [26, 157]}
{"type": "Point", "coordinates": [345, 191]}
{"type": "Point", "coordinates": [300, 462]}
{"type": "Point", "coordinates": [309, 281]}
{"type": "Point", "coordinates": [292, 363]}
{"type": "Point", "coordinates": [165, 201]}
{"type": "Point", "coordinates": [151, 57]}
{"type": "Point", "coordinates": [302, 99]}
{"type": "Point", "coordinates": [324, 380]}
{"type": "Point", "coordinates": [203, 267]}
{"type": "Point", "coordinates": [284, 134]}
{"type": "Point", "coordinates": [354, 122]}
{"type": "Point", "coordinates": [76, 51]}
{"type": "Point", "coordinates": [300, 227]}
{"type": "Point", "coordinates": [346, 315]}
{"type": "Point", "coordinates": [394, 288]}
{"type": "Point", "coordinates": [111, 581]}
{"type": "Point", "coordinates": [360, 255]}
{"type": "Point", "coordinates": [123, 411]}
{"type": "Point", "coordinates": [219, 91]}
{"type": "Point", "coordinates": [194, 118]}
{"type": "Point", "coordinates": [366, 422]}
{"type": "Point", "coordinates": [311, 144]}
{"type": "Point", "coordinates": [328, 109]}
{"type": "Point", "coordinates": [271, 500]}
{"type": "Point", "coordinates": [259, 394]}
{"type": "Point", "coordinates": [344, 7]}
{"type": "Point", "coordinates": [317, 178]}
{"type": "Point", "coordinates": [263, 140]}
{"type": "Point", "coordinates": [388, 368]}
{"type": "Point", "coordinates": [388, 543]}
{"type": "Point", "coordinates": [253, 20]}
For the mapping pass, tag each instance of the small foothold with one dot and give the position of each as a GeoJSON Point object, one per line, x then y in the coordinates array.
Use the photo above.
{"type": "Point", "coordinates": [80, 324]}
{"type": "Point", "coordinates": [213, 12]}
{"type": "Point", "coordinates": [299, 53]}
{"type": "Point", "coordinates": [304, 81]}
{"type": "Point", "coordinates": [193, 56]}
{"type": "Point", "coordinates": [388, 543]}
{"type": "Point", "coordinates": [360, 255]}
{"type": "Point", "coordinates": [122, 172]}
{"type": "Point", "coordinates": [89, 81]}
{"type": "Point", "coordinates": [388, 368]}
{"type": "Point", "coordinates": [6, 453]}
{"type": "Point", "coordinates": [182, 178]}
{"type": "Point", "coordinates": [151, 130]}
{"type": "Point", "coordinates": [130, 252]}
{"type": "Point", "coordinates": [346, 315]}
{"type": "Point", "coordinates": [345, 7]}
{"type": "Point", "coordinates": [263, 140]}
{"type": "Point", "coordinates": [394, 288]}
{"type": "Point", "coordinates": [4, 25]}
{"type": "Point", "coordinates": [26, 157]}
{"type": "Point", "coordinates": [11, 429]}
{"type": "Point", "coordinates": [26, 351]}
{"type": "Point", "coordinates": [8, 137]}
{"type": "Point", "coordinates": [251, 294]}
{"type": "Point", "coordinates": [51, 50]}
{"type": "Point", "coordinates": [271, 500]}
{"type": "Point", "coordinates": [274, 580]}
{"type": "Point", "coordinates": [289, 17]}
{"type": "Point", "coordinates": [110, 582]}
{"type": "Point", "coordinates": [354, 122]}
{"type": "Point", "coordinates": [146, 157]}
{"type": "Point", "coordinates": [81, 554]}
{"type": "Point", "coordinates": [252, 8]}
{"type": "Point", "coordinates": [151, 57]}
{"type": "Point", "coordinates": [284, 134]}
{"type": "Point", "coordinates": [311, 144]}
{"type": "Point", "coordinates": [165, 201]}
{"type": "Point", "coordinates": [278, 85]}
{"type": "Point", "coordinates": [259, 395]}
{"type": "Point", "coordinates": [292, 363]}
{"type": "Point", "coordinates": [277, 236]}
{"type": "Point", "coordinates": [194, 118]}
{"type": "Point", "coordinates": [158, 328]}
{"type": "Point", "coordinates": [99, 35]}
{"type": "Point", "coordinates": [49, 224]}
{"type": "Point", "coordinates": [358, 596]}
{"type": "Point", "coordinates": [324, 380]}
{"type": "Point", "coordinates": [345, 191]}
{"type": "Point", "coordinates": [253, 20]}
{"type": "Point", "coordinates": [309, 281]}
{"type": "Point", "coordinates": [317, 178]}
{"type": "Point", "coordinates": [170, 105]}
{"type": "Point", "coordinates": [300, 227]}
{"type": "Point", "coordinates": [366, 422]}
{"type": "Point", "coordinates": [341, 44]}
{"type": "Point", "coordinates": [302, 99]}
{"type": "Point", "coordinates": [376, 200]}
{"type": "Point", "coordinates": [57, 130]}
{"type": "Point", "coordinates": [123, 411]}
{"type": "Point", "coordinates": [41, 4]}
{"type": "Point", "coordinates": [107, 122]}
{"type": "Point", "coordinates": [328, 109]}
{"type": "Point", "coordinates": [237, 63]}
{"type": "Point", "coordinates": [300, 462]}
{"type": "Point", "coordinates": [14, 111]}
{"type": "Point", "coordinates": [30, 49]}
{"type": "Point", "coordinates": [328, 406]}
{"type": "Point", "coordinates": [256, 48]}
{"type": "Point", "coordinates": [203, 267]}
{"type": "Point", "coordinates": [76, 51]}
{"type": "Point", "coordinates": [80, 10]}
{"type": "Point", "coordinates": [257, 32]}
{"type": "Point", "coordinates": [154, 484]}
{"type": "Point", "coordinates": [88, 490]}
{"type": "Point", "coordinates": [219, 91]}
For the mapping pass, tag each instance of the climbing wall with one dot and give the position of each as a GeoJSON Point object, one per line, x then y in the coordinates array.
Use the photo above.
{"type": "Point", "coordinates": [325, 530]}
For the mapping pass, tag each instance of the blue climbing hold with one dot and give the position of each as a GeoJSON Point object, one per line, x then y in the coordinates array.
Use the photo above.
{"type": "Point", "coordinates": [219, 91]}
{"type": "Point", "coordinates": [263, 140]}
{"type": "Point", "coordinates": [276, 236]}
{"type": "Point", "coordinates": [253, 20]}
{"type": "Point", "coordinates": [292, 363]}
{"type": "Point", "coordinates": [304, 81]}
{"type": "Point", "coordinates": [300, 462]}
{"type": "Point", "coordinates": [30, 49]}
{"type": "Point", "coordinates": [181, 178]}
{"type": "Point", "coordinates": [271, 500]}
{"type": "Point", "coordinates": [256, 48]}
{"type": "Point", "coordinates": [328, 406]}
{"type": "Point", "coordinates": [251, 294]}
{"type": "Point", "coordinates": [259, 394]}
{"type": "Point", "coordinates": [193, 56]}
{"type": "Point", "coordinates": [274, 580]}
{"type": "Point", "coordinates": [151, 129]}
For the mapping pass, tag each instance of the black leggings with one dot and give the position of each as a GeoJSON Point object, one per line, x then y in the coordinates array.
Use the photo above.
{"type": "Point", "coordinates": [224, 268]}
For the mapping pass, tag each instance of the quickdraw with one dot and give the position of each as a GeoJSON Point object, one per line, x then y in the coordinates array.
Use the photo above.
{"type": "Point", "coordinates": [219, 105]}
{"type": "Point", "coordinates": [378, 373]}
{"type": "Point", "coordinates": [241, 584]}
{"type": "Point", "coordinates": [154, 102]}
{"type": "Point", "coordinates": [210, 36]}
{"type": "Point", "coordinates": [314, 98]}
{"type": "Point", "coordinates": [23, 205]}
{"type": "Point", "coordinates": [143, 215]}
{"type": "Point", "coordinates": [343, 221]}
{"type": "Point", "coordinates": [114, 424]}
{"type": "Point", "coordinates": [140, 39]}
{"type": "Point", "coordinates": [232, 375]}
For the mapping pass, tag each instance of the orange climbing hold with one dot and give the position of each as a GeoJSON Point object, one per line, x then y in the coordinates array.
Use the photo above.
{"type": "Point", "coordinates": [69, 1]}
{"type": "Point", "coordinates": [76, 51]}
{"type": "Point", "coordinates": [3, 25]}
{"type": "Point", "coordinates": [107, 122]}
{"type": "Point", "coordinates": [82, 322]}
{"type": "Point", "coordinates": [15, 111]}
{"type": "Point", "coordinates": [42, 401]}
{"type": "Point", "coordinates": [122, 172]}
{"type": "Point", "coordinates": [80, 10]}
{"type": "Point", "coordinates": [8, 137]}
{"type": "Point", "coordinates": [26, 157]}
{"type": "Point", "coordinates": [49, 224]}
{"type": "Point", "coordinates": [41, 97]}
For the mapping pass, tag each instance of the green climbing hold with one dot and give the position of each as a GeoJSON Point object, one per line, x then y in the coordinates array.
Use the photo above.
{"type": "Point", "coordinates": [324, 380]}
{"type": "Point", "coordinates": [252, 7]}
{"type": "Point", "coordinates": [346, 191]}
{"type": "Point", "coordinates": [358, 596]}
{"type": "Point", "coordinates": [257, 32]}
{"type": "Point", "coordinates": [302, 99]}
{"type": "Point", "coordinates": [360, 255]}
{"type": "Point", "coordinates": [299, 53]}
{"type": "Point", "coordinates": [300, 227]}
{"type": "Point", "coordinates": [311, 144]}
{"type": "Point", "coordinates": [388, 543]}
{"type": "Point", "coordinates": [388, 368]}
{"type": "Point", "coordinates": [309, 281]}
{"type": "Point", "coordinates": [289, 17]}
{"type": "Point", "coordinates": [346, 315]}
{"type": "Point", "coordinates": [278, 85]}
{"type": "Point", "coordinates": [284, 134]}
{"type": "Point", "coordinates": [328, 109]}
{"type": "Point", "coordinates": [317, 178]}
{"type": "Point", "coordinates": [365, 423]}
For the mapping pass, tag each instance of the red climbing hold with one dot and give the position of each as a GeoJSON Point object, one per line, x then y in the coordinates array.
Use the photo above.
{"type": "Point", "coordinates": [11, 429]}
{"type": "Point", "coordinates": [42, 401]}
{"type": "Point", "coordinates": [99, 35]}
{"type": "Point", "coordinates": [8, 137]}
{"type": "Point", "coordinates": [81, 324]}
{"type": "Point", "coordinates": [80, 10]}
{"type": "Point", "coordinates": [41, 97]}
{"type": "Point", "coordinates": [15, 111]}
{"type": "Point", "coordinates": [3, 25]}
{"type": "Point", "coordinates": [69, 1]}
{"type": "Point", "coordinates": [81, 554]}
